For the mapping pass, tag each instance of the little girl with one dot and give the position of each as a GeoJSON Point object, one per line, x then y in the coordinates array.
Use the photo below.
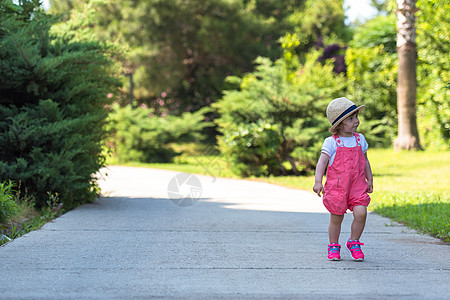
{"type": "Point", "coordinates": [349, 176]}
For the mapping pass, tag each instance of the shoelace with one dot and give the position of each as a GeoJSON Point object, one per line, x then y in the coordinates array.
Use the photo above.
{"type": "Point", "coordinates": [334, 249]}
{"type": "Point", "coordinates": [356, 245]}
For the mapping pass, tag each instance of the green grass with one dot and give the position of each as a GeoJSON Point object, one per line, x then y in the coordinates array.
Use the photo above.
{"type": "Point", "coordinates": [426, 212]}
{"type": "Point", "coordinates": [409, 187]}
{"type": "Point", "coordinates": [413, 188]}
{"type": "Point", "coordinates": [27, 218]}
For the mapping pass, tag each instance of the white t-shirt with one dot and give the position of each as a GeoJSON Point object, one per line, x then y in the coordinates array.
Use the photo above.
{"type": "Point", "coordinates": [330, 146]}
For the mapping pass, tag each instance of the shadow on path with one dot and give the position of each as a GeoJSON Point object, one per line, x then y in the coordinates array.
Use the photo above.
{"type": "Point", "coordinates": [221, 247]}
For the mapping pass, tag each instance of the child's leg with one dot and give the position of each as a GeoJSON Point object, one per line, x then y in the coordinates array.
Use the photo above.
{"type": "Point", "coordinates": [359, 221]}
{"type": "Point", "coordinates": [334, 228]}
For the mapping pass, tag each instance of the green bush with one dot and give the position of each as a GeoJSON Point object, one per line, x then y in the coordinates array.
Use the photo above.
{"type": "Point", "coordinates": [273, 105]}
{"type": "Point", "coordinates": [54, 81]}
{"type": "Point", "coordinates": [253, 149]}
{"type": "Point", "coordinates": [433, 74]}
{"type": "Point", "coordinates": [139, 135]}
{"type": "Point", "coordinates": [8, 207]}
{"type": "Point", "coordinates": [372, 78]}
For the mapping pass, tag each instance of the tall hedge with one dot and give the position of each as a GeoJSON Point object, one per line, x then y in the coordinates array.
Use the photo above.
{"type": "Point", "coordinates": [54, 82]}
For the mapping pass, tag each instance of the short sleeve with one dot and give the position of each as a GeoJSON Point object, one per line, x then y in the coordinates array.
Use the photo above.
{"type": "Point", "coordinates": [329, 146]}
{"type": "Point", "coordinates": [364, 145]}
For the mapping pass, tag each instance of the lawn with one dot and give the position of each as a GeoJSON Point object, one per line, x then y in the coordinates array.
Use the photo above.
{"type": "Point", "coordinates": [409, 187]}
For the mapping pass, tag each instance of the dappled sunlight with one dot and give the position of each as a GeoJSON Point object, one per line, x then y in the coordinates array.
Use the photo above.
{"type": "Point", "coordinates": [281, 205]}
{"type": "Point", "coordinates": [244, 194]}
{"type": "Point", "coordinates": [277, 207]}
{"type": "Point", "coordinates": [252, 195]}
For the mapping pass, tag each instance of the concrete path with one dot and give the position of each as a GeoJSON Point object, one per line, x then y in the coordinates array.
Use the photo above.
{"type": "Point", "coordinates": [240, 240]}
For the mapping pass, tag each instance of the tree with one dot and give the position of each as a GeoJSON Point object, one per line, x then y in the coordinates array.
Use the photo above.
{"type": "Point", "coordinates": [274, 123]}
{"type": "Point", "coordinates": [408, 136]}
{"type": "Point", "coordinates": [181, 51]}
{"type": "Point", "coordinates": [319, 23]}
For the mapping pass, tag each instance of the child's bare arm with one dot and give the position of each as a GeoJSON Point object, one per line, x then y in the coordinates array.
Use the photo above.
{"type": "Point", "coordinates": [320, 170]}
{"type": "Point", "coordinates": [369, 176]}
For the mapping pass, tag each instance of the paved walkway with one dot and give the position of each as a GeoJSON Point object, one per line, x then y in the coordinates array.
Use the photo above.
{"type": "Point", "coordinates": [241, 239]}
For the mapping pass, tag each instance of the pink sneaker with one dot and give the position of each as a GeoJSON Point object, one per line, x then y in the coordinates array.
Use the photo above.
{"type": "Point", "coordinates": [355, 249]}
{"type": "Point", "coordinates": [334, 252]}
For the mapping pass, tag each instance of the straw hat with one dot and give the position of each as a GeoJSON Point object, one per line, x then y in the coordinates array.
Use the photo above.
{"type": "Point", "coordinates": [339, 109]}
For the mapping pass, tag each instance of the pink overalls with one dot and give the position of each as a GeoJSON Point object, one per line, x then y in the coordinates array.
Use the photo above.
{"type": "Point", "coordinates": [346, 184]}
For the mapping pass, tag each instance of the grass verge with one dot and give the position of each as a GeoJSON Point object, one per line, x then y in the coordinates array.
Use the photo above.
{"type": "Point", "coordinates": [27, 218]}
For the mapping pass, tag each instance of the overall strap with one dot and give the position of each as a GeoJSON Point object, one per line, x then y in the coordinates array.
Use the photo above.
{"type": "Point", "coordinates": [339, 142]}
{"type": "Point", "coordinates": [358, 138]}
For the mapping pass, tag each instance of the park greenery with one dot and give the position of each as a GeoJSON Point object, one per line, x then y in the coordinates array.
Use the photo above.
{"type": "Point", "coordinates": [54, 78]}
{"type": "Point", "coordinates": [244, 82]}
{"type": "Point", "coordinates": [134, 136]}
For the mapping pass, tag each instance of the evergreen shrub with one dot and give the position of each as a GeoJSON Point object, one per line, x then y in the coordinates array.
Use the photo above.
{"type": "Point", "coordinates": [54, 81]}
{"type": "Point", "coordinates": [274, 122]}
{"type": "Point", "coordinates": [141, 136]}
{"type": "Point", "coordinates": [253, 149]}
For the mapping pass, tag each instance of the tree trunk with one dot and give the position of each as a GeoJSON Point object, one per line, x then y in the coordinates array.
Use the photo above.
{"type": "Point", "coordinates": [408, 136]}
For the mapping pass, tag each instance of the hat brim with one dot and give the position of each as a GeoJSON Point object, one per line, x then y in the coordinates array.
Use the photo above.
{"type": "Point", "coordinates": [358, 109]}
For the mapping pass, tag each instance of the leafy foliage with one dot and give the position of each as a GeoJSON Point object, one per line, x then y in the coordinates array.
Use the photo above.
{"type": "Point", "coordinates": [320, 21]}
{"type": "Point", "coordinates": [185, 49]}
{"type": "Point", "coordinates": [26, 217]}
{"type": "Point", "coordinates": [274, 123]}
{"type": "Point", "coordinates": [139, 135]}
{"type": "Point", "coordinates": [433, 73]}
{"type": "Point", "coordinates": [372, 75]}
{"type": "Point", "coordinates": [53, 86]}
{"type": "Point", "coordinates": [372, 78]}
{"type": "Point", "coordinates": [253, 149]}
{"type": "Point", "coordinates": [378, 31]}
{"type": "Point", "coordinates": [337, 53]}
{"type": "Point", "coordinates": [8, 207]}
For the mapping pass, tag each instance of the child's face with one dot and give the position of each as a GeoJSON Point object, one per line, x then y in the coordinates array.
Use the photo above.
{"type": "Point", "coordinates": [350, 124]}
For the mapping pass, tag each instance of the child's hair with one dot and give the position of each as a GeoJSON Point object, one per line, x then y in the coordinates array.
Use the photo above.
{"type": "Point", "coordinates": [340, 125]}
{"type": "Point", "coordinates": [338, 128]}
